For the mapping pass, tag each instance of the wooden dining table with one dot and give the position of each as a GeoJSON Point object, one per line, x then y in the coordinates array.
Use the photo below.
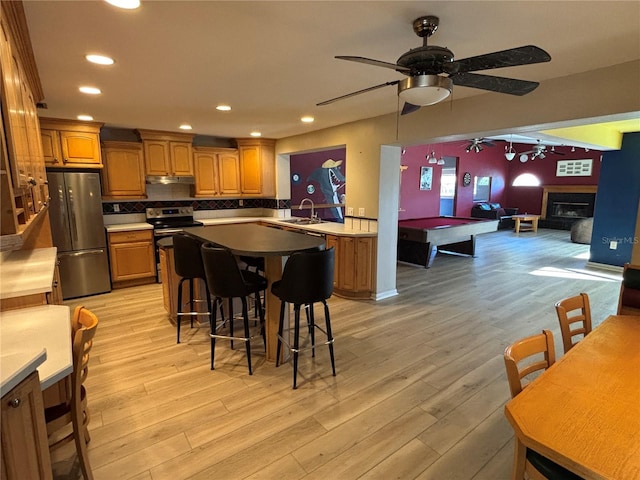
{"type": "Point", "coordinates": [274, 245]}
{"type": "Point", "coordinates": [584, 411]}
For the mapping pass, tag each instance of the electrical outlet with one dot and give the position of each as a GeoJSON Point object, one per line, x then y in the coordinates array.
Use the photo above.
{"type": "Point", "coordinates": [613, 245]}
{"type": "Point", "coordinates": [350, 211]}
{"type": "Point", "coordinates": [241, 203]}
{"type": "Point", "coordinates": [361, 212]}
{"type": "Point", "coordinates": [116, 207]}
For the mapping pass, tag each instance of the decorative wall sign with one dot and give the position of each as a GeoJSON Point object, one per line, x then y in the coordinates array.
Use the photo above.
{"type": "Point", "coordinates": [574, 168]}
{"type": "Point", "coordinates": [426, 177]}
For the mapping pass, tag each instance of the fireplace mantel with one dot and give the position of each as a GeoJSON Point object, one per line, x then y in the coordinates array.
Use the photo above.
{"type": "Point", "coordinates": [563, 189]}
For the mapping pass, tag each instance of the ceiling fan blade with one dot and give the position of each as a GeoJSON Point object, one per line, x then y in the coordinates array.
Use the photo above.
{"type": "Point", "coordinates": [376, 63]}
{"type": "Point", "coordinates": [527, 152]}
{"type": "Point", "coordinates": [353, 94]}
{"type": "Point", "coordinates": [557, 153]}
{"type": "Point", "coordinates": [511, 86]}
{"type": "Point", "coordinates": [409, 108]}
{"type": "Point", "coordinates": [525, 55]}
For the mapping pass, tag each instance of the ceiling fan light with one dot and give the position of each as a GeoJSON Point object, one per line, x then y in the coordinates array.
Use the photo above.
{"type": "Point", "coordinates": [510, 155]}
{"type": "Point", "coordinates": [524, 157]}
{"type": "Point", "coordinates": [425, 89]}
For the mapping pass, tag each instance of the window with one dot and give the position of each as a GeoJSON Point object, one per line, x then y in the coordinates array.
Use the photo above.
{"type": "Point", "coordinates": [481, 189]}
{"type": "Point", "coordinates": [526, 180]}
{"type": "Point", "coordinates": [448, 183]}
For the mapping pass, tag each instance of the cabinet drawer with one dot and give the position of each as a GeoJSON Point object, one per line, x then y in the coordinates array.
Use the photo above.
{"type": "Point", "coordinates": [132, 236]}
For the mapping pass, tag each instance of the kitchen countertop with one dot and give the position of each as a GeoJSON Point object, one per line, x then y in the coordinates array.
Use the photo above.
{"type": "Point", "coordinates": [128, 227]}
{"type": "Point", "coordinates": [36, 337]}
{"type": "Point", "coordinates": [324, 228]}
{"type": "Point", "coordinates": [27, 272]}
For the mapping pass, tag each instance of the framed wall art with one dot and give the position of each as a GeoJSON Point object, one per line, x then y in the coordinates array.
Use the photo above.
{"type": "Point", "coordinates": [426, 177]}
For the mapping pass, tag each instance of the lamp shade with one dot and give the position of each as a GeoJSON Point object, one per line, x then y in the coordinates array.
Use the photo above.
{"type": "Point", "coordinates": [425, 89]}
{"type": "Point", "coordinates": [510, 155]}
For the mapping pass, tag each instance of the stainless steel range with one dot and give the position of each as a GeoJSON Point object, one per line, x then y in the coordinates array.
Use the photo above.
{"type": "Point", "coordinates": [167, 221]}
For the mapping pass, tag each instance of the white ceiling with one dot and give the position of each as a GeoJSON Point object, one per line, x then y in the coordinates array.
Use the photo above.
{"type": "Point", "coordinates": [273, 61]}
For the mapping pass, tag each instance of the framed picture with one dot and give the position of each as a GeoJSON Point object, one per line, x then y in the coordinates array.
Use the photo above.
{"type": "Point", "coordinates": [426, 176]}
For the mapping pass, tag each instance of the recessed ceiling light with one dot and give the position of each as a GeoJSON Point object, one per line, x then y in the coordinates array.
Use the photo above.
{"type": "Point", "coordinates": [85, 118]}
{"type": "Point", "coordinates": [99, 59]}
{"type": "Point", "coordinates": [185, 126]}
{"type": "Point", "coordinates": [223, 108]}
{"type": "Point", "coordinates": [90, 90]}
{"type": "Point", "coordinates": [307, 119]}
{"type": "Point", "coordinates": [255, 134]}
{"type": "Point", "coordinates": [126, 4]}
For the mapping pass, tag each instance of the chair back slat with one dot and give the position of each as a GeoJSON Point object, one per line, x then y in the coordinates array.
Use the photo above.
{"type": "Point", "coordinates": [570, 311]}
{"type": "Point", "coordinates": [523, 349]}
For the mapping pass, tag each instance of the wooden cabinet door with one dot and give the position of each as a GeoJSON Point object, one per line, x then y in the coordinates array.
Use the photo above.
{"type": "Point", "coordinates": [156, 157]}
{"type": "Point", "coordinates": [364, 264]}
{"type": "Point", "coordinates": [132, 260]}
{"type": "Point", "coordinates": [206, 174]}
{"type": "Point", "coordinates": [347, 263]}
{"type": "Point", "coordinates": [181, 159]}
{"type": "Point", "coordinates": [24, 452]}
{"type": "Point", "coordinates": [123, 173]}
{"type": "Point", "coordinates": [250, 170]}
{"type": "Point", "coordinates": [80, 148]}
{"type": "Point", "coordinates": [164, 277]}
{"type": "Point", "coordinates": [229, 173]}
{"type": "Point", "coordinates": [332, 241]}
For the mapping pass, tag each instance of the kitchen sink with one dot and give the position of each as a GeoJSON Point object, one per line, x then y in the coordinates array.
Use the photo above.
{"type": "Point", "coordinates": [304, 221]}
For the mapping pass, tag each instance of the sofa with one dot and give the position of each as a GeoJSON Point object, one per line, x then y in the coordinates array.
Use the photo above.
{"type": "Point", "coordinates": [494, 211]}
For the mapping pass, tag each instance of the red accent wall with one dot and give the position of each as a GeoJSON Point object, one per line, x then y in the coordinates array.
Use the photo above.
{"type": "Point", "coordinates": [415, 203]}
{"type": "Point", "coordinates": [529, 199]}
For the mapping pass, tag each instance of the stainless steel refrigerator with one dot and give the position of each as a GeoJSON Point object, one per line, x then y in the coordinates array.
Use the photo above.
{"type": "Point", "coordinates": [78, 233]}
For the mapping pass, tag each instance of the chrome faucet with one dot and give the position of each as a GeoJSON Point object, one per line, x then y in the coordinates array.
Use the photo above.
{"type": "Point", "coordinates": [313, 215]}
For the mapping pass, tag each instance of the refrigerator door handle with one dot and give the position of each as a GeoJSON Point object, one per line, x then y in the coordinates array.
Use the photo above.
{"type": "Point", "coordinates": [72, 215]}
{"type": "Point", "coordinates": [79, 254]}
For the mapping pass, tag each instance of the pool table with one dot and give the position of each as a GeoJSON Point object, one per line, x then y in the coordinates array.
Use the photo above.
{"type": "Point", "coordinates": [419, 239]}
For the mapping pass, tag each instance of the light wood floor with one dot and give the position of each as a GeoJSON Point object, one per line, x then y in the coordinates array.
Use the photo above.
{"type": "Point", "coordinates": [419, 391]}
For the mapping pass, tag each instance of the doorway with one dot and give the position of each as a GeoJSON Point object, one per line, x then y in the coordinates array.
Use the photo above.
{"type": "Point", "coordinates": [448, 185]}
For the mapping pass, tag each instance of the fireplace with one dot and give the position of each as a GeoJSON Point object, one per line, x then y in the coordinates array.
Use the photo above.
{"type": "Point", "coordinates": [564, 205]}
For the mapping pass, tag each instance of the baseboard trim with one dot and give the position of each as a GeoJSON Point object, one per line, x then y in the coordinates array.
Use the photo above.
{"type": "Point", "coordinates": [604, 266]}
{"type": "Point", "coordinates": [388, 294]}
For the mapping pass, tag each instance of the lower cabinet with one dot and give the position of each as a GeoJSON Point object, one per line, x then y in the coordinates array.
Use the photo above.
{"type": "Point", "coordinates": [354, 265]}
{"type": "Point", "coordinates": [132, 258]}
{"type": "Point", "coordinates": [25, 452]}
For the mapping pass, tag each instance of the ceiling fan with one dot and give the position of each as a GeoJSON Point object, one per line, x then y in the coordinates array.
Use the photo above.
{"type": "Point", "coordinates": [431, 70]}
{"type": "Point", "coordinates": [476, 145]}
{"type": "Point", "coordinates": [538, 151]}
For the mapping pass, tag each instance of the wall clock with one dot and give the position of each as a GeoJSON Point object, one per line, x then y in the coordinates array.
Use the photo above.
{"type": "Point", "coordinates": [466, 179]}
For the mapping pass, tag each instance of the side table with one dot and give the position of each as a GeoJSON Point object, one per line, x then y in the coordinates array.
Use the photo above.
{"type": "Point", "coordinates": [529, 222]}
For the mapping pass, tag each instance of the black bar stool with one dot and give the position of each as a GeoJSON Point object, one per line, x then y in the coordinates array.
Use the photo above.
{"type": "Point", "coordinates": [258, 264]}
{"type": "Point", "coordinates": [307, 278]}
{"type": "Point", "coordinates": [188, 265]}
{"type": "Point", "coordinates": [226, 280]}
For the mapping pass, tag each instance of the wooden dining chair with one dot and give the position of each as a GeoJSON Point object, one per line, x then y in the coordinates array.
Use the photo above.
{"type": "Point", "coordinates": [629, 298]}
{"type": "Point", "coordinates": [74, 411]}
{"type": "Point", "coordinates": [570, 311]}
{"type": "Point", "coordinates": [525, 357]}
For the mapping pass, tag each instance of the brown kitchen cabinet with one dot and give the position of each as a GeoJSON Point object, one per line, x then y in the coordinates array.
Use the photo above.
{"type": "Point", "coordinates": [217, 171]}
{"type": "Point", "coordinates": [123, 172]}
{"type": "Point", "coordinates": [25, 451]}
{"type": "Point", "coordinates": [354, 265]}
{"type": "Point", "coordinates": [167, 153]}
{"type": "Point", "coordinates": [23, 182]}
{"type": "Point", "coordinates": [69, 144]}
{"type": "Point", "coordinates": [257, 166]}
{"type": "Point", "coordinates": [132, 258]}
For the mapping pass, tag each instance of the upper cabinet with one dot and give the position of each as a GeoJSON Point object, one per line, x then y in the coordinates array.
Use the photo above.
{"type": "Point", "coordinates": [69, 144]}
{"type": "Point", "coordinates": [257, 166]}
{"type": "Point", "coordinates": [167, 153]}
{"type": "Point", "coordinates": [217, 171]}
{"type": "Point", "coordinates": [123, 173]}
{"type": "Point", "coordinates": [23, 180]}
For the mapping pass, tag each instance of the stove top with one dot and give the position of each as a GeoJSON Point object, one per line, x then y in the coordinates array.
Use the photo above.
{"type": "Point", "coordinates": [171, 218]}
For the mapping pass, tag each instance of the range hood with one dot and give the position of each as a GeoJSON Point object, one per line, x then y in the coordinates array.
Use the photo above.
{"type": "Point", "coordinates": [166, 180]}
